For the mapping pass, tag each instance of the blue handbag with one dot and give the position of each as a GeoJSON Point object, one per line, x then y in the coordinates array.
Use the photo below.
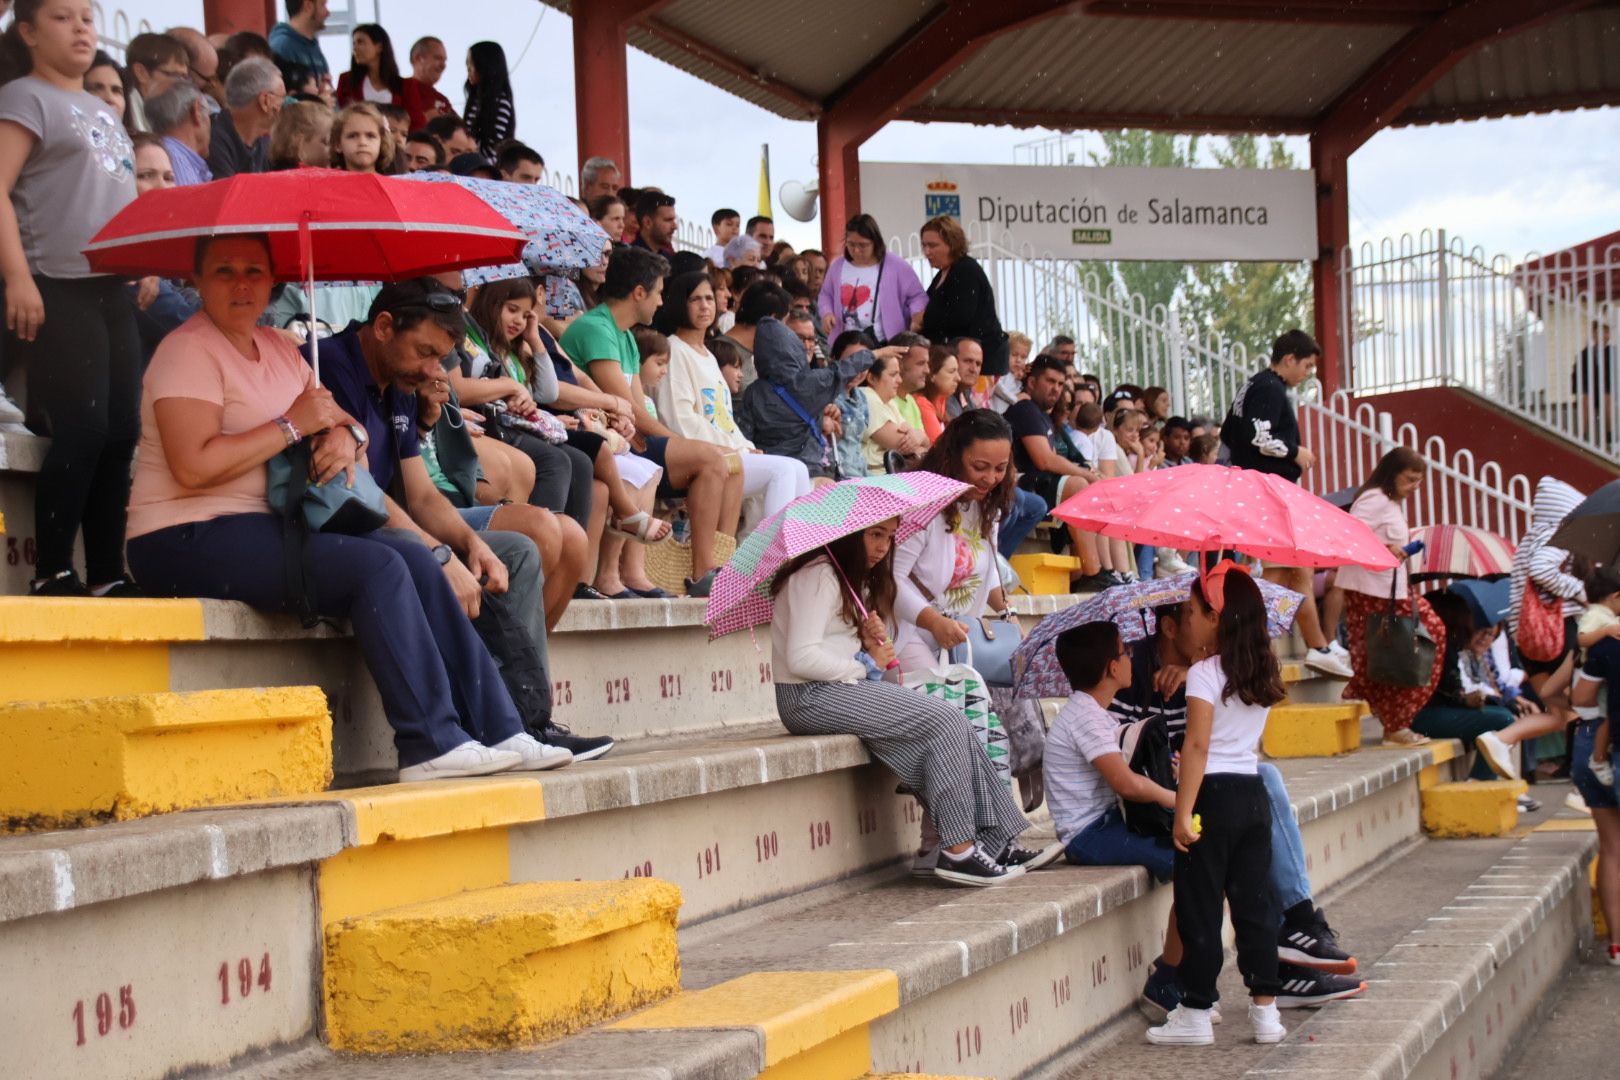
{"type": "Point", "coordinates": [992, 639]}
{"type": "Point", "coordinates": [332, 507]}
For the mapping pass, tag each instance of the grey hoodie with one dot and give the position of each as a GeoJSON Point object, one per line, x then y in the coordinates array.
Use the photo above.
{"type": "Point", "coordinates": [1538, 561]}
{"type": "Point", "coordinates": [769, 421]}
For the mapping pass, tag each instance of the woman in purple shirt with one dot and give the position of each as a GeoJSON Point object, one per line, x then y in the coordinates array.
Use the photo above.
{"type": "Point", "coordinates": [869, 287]}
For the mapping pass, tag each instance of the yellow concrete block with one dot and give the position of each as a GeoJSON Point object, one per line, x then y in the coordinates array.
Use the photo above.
{"type": "Point", "coordinates": [1599, 927]}
{"type": "Point", "coordinates": [794, 1011]}
{"type": "Point", "coordinates": [67, 763]}
{"type": "Point", "coordinates": [1441, 753]}
{"type": "Point", "coordinates": [1313, 730]}
{"type": "Point", "coordinates": [416, 811]}
{"type": "Point", "coordinates": [60, 671]}
{"type": "Point", "coordinates": [1045, 575]}
{"type": "Point", "coordinates": [499, 967]}
{"type": "Point", "coordinates": [376, 877]}
{"type": "Point", "coordinates": [1472, 807]}
{"type": "Point", "coordinates": [80, 619]}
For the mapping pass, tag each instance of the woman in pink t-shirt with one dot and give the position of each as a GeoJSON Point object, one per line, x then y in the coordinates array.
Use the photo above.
{"type": "Point", "coordinates": [221, 398]}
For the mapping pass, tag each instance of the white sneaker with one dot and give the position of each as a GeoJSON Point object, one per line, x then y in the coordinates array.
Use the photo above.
{"type": "Point", "coordinates": [1329, 663]}
{"type": "Point", "coordinates": [1603, 770]}
{"type": "Point", "coordinates": [1268, 1025]}
{"type": "Point", "coordinates": [468, 759]}
{"type": "Point", "coordinates": [1183, 1027]}
{"type": "Point", "coordinates": [1497, 754]}
{"type": "Point", "coordinates": [924, 862]}
{"type": "Point", "coordinates": [1339, 650]}
{"type": "Point", "coordinates": [536, 755]}
{"type": "Point", "coordinates": [1574, 801]}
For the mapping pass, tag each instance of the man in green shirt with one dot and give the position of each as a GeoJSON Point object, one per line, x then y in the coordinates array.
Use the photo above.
{"type": "Point", "coordinates": [913, 376]}
{"type": "Point", "coordinates": [600, 344]}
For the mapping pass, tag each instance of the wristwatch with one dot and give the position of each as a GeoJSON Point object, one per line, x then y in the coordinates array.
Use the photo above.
{"type": "Point", "coordinates": [442, 554]}
{"type": "Point", "coordinates": [359, 433]}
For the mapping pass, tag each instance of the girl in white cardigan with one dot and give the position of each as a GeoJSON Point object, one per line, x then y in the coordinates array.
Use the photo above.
{"type": "Point", "coordinates": [695, 402]}
{"type": "Point", "coordinates": [822, 689]}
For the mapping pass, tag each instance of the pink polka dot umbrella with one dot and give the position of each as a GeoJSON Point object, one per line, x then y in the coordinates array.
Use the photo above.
{"type": "Point", "coordinates": [1214, 507]}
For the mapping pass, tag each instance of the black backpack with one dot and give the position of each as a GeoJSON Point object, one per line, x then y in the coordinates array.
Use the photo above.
{"type": "Point", "coordinates": [1146, 747]}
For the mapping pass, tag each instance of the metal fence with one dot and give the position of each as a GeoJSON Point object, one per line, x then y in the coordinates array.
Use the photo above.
{"type": "Point", "coordinates": [1529, 336]}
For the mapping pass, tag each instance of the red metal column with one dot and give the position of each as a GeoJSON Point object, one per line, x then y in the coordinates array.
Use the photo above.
{"type": "Point", "coordinates": [230, 16]}
{"type": "Point", "coordinates": [601, 88]}
{"type": "Point", "coordinates": [1331, 166]}
{"type": "Point", "coordinates": [839, 170]}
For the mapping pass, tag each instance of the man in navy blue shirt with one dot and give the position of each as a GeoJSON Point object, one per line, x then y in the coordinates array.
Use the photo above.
{"type": "Point", "coordinates": [373, 370]}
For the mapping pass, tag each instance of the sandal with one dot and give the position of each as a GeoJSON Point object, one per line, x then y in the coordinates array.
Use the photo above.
{"type": "Point", "coordinates": [1404, 737]}
{"type": "Point", "coordinates": [640, 526]}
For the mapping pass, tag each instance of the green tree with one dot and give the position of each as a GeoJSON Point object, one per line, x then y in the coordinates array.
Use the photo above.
{"type": "Point", "coordinates": [1248, 303]}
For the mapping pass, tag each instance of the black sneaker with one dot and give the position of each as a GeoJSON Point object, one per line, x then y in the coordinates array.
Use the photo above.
{"type": "Point", "coordinates": [583, 747]}
{"type": "Point", "coordinates": [974, 867]}
{"type": "Point", "coordinates": [1302, 987]}
{"type": "Point", "coordinates": [1092, 583]}
{"type": "Point", "coordinates": [122, 589]}
{"type": "Point", "coordinates": [1310, 942]}
{"type": "Point", "coordinates": [66, 583]}
{"type": "Point", "coordinates": [701, 587]}
{"type": "Point", "coordinates": [1031, 860]}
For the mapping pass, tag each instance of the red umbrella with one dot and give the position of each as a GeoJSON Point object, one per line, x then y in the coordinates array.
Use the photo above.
{"type": "Point", "coordinates": [1460, 551]}
{"type": "Point", "coordinates": [369, 228]}
{"type": "Point", "coordinates": [362, 227]}
{"type": "Point", "coordinates": [1212, 507]}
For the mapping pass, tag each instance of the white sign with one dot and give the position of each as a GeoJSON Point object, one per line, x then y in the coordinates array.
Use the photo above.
{"type": "Point", "coordinates": [1068, 212]}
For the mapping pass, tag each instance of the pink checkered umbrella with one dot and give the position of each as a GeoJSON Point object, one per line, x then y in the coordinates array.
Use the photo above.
{"type": "Point", "coordinates": [1213, 507]}
{"type": "Point", "coordinates": [741, 596]}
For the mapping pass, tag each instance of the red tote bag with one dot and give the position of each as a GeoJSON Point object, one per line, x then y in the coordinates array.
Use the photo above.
{"type": "Point", "coordinates": [1541, 625]}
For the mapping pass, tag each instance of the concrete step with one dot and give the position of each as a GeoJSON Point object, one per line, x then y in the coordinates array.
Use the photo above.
{"type": "Point", "coordinates": [499, 967]}
{"type": "Point", "coordinates": [1313, 729]}
{"type": "Point", "coordinates": [886, 974]}
{"type": "Point", "coordinates": [640, 669]}
{"type": "Point", "coordinates": [79, 761]}
{"type": "Point", "coordinates": [1458, 942]}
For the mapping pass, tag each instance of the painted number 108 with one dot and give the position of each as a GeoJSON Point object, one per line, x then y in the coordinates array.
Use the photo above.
{"type": "Point", "coordinates": [244, 977]}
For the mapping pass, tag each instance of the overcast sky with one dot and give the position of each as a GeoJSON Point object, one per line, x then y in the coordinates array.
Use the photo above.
{"type": "Point", "coordinates": [1509, 186]}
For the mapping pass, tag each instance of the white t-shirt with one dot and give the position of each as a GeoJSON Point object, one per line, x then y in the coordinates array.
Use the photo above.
{"type": "Point", "coordinates": [857, 298]}
{"type": "Point", "coordinates": [1075, 791]}
{"type": "Point", "coordinates": [1235, 734]}
{"type": "Point", "coordinates": [380, 95]}
{"type": "Point", "coordinates": [1086, 444]}
{"type": "Point", "coordinates": [1107, 449]}
{"type": "Point", "coordinates": [717, 256]}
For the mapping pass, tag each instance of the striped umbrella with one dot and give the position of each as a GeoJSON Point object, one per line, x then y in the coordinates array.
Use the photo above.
{"type": "Point", "coordinates": [1461, 551]}
{"type": "Point", "coordinates": [741, 596]}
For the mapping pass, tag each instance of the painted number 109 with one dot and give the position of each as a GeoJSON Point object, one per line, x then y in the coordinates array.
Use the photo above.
{"type": "Point", "coordinates": [244, 977]}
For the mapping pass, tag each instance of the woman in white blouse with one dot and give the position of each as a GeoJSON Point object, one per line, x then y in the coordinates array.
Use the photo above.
{"type": "Point", "coordinates": [835, 601]}
{"type": "Point", "coordinates": [694, 400]}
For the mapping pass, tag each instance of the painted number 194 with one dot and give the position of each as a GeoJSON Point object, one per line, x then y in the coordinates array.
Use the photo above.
{"type": "Point", "coordinates": [244, 978]}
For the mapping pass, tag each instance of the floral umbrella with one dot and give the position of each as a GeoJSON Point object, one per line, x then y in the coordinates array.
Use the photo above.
{"type": "Point", "coordinates": [1130, 607]}
{"type": "Point", "coordinates": [561, 236]}
{"type": "Point", "coordinates": [741, 596]}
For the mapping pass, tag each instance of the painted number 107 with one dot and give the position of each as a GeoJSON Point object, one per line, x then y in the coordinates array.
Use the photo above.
{"type": "Point", "coordinates": [244, 978]}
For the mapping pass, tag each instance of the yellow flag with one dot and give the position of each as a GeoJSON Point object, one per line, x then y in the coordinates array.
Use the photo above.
{"type": "Point", "coordinates": [765, 180]}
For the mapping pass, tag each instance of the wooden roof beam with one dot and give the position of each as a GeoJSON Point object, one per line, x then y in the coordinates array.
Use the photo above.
{"type": "Point", "coordinates": [1324, 12]}
{"type": "Point", "coordinates": [1414, 64]}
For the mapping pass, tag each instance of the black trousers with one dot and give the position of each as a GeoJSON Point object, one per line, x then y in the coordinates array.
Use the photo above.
{"type": "Point", "coordinates": [562, 475]}
{"type": "Point", "coordinates": [84, 390]}
{"type": "Point", "coordinates": [1231, 863]}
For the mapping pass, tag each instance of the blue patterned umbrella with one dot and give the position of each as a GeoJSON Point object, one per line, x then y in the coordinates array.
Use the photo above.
{"type": "Point", "coordinates": [562, 237]}
{"type": "Point", "coordinates": [1131, 608]}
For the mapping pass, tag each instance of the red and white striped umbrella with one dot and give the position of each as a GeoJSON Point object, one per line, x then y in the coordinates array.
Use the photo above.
{"type": "Point", "coordinates": [1462, 551]}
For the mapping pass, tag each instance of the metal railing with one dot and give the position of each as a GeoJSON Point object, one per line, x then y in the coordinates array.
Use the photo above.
{"type": "Point", "coordinates": [1427, 310]}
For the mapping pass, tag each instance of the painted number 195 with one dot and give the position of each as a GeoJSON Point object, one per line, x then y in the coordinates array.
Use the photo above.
{"type": "Point", "coordinates": [104, 1014]}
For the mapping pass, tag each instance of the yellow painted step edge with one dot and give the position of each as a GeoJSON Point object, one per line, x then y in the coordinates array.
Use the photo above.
{"type": "Point", "coordinates": [792, 1010]}
{"type": "Point", "coordinates": [27, 619]}
{"type": "Point", "coordinates": [390, 812]}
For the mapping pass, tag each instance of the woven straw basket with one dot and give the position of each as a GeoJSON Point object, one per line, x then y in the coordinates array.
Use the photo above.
{"type": "Point", "coordinates": [669, 562]}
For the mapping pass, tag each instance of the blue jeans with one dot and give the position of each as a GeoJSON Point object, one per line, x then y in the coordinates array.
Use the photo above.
{"type": "Point", "coordinates": [1598, 796]}
{"type": "Point", "coordinates": [438, 683]}
{"type": "Point", "coordinates": [1107, 842]}
{"type": "Point", "coordinates": [1289, 881]}
{"type": "Point", "coordinates": [1144, 561]}
{"type": "Point", "coordinates": [1026, 512]}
